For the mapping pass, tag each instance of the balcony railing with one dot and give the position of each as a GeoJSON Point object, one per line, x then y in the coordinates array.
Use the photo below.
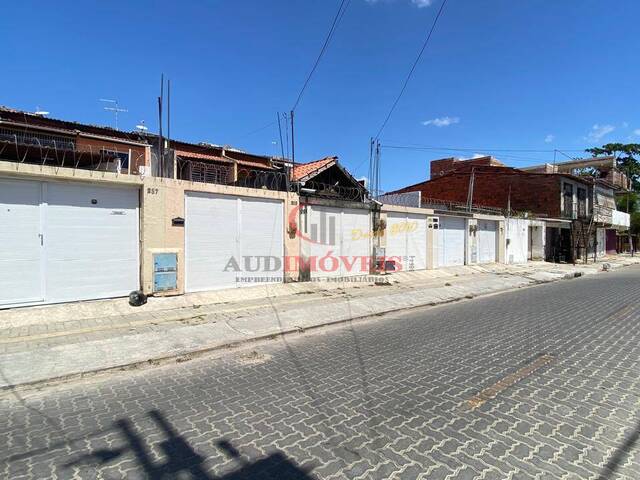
{"type": "Point", "coordinates": [223, 174]}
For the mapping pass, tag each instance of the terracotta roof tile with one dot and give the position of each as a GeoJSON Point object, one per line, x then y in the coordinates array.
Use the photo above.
{"type": "Point", "coordinates": [302, 170]}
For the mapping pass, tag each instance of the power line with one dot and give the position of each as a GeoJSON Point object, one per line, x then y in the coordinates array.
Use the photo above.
{"type": "Point", "coordinates": [257, 130]}
{"type": "Point", "coordinates": [344, 4]}
{"type": "Point", "coordinates": [417, 146]}
{"type": "Point", "coordinates": [413, 67]}
{"type": "Point", "coordinates": [498, 151]}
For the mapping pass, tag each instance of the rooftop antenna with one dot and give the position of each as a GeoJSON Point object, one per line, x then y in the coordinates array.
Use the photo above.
{"type": "Point", "coordinates": [40, 112]}
{"type": "Point", "coordinates": [115, 108]}
{"type": "Point", "coordinates": [141, 127]}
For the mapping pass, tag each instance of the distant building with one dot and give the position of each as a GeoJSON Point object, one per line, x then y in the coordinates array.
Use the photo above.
{"type": "Point", "coordinates": [577, 198]}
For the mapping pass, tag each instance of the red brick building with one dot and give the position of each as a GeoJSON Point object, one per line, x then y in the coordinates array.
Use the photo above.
{"type": "Point", "coordinates": [498, 186]}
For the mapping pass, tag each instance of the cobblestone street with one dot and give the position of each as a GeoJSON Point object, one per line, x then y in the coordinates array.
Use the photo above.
{"type": "Point", "coordinates": [542, 382]}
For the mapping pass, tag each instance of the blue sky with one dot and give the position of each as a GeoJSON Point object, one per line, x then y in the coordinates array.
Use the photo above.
{"type": "Point", "coordinates": [498, 74]}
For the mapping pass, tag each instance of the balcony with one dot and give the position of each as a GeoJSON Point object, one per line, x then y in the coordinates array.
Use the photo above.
{"type": "Point", "coordinates": [620, 220]}
{"type": "Point", "coordinates": [618, 179]}
{"type": "Point", "coordinates": [611, 217]}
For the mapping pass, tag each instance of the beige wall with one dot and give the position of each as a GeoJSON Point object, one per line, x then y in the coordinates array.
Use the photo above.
{"type": "Point", "coordinates": [163, 199]}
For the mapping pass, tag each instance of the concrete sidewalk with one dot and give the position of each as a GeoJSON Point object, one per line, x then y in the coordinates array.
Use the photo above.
{"type": "Point", "coordinates": [54, 343]}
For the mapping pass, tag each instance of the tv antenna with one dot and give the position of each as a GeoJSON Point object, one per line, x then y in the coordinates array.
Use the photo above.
{"type": "Point", "coordinates": [141, 127]}
{"type": "Point", "coordinates": [115, 108]}
{"type": "Point", "coordinates": [40, 112]}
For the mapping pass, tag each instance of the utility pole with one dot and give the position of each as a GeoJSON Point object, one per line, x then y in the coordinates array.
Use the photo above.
{"type": "Point", "coordinates": [293, 152]}
{"type": "Point", "coordinates": [470, 192]}
{"type": "Point", "coordinates": [280, 132]}
{"type": "Point", "coordinates": [293, 144]}
{"type": "Point", "coordinates": [628, 212]}
{"type": "Point", "coordinates": [160, 140]}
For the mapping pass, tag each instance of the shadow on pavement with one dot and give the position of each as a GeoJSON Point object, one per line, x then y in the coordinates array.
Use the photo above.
{"type": "Point", "coordinates": [182, 459]}
{"type": "Point", "coordinates": [619, 456]}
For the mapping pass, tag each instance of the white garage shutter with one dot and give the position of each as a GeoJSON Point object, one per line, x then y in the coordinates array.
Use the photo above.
{"type": "Point", "coordinates": [325, 236]}
{"type": "Point", "coordinates": [261, 239]}
{"type": "Point", "coordinates": [341, 234]}
{"type": "Point", "coordinates": [487, 240]}
{"type": "Point", "coordinates": [224, 228]}
{"type": "Point", "coordinates": [407, 238]}
{"type": "Point", "coordinates": [91, 242]}
{"type": "Point", "coordinates": [355, 242]}
{"type": "Point", "coordinates": [21, 252]}
{"type": "Point", "coordinates": [451, 241]}
{"type": "Point", "coordinates": [69, 242]}
{"type": "Point", "coordinates": [211, 230]}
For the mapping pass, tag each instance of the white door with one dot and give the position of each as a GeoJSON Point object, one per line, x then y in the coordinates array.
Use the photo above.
{"type": "Point", "coordinates": [487, 241]}
{"type": "Point", "coordinates": [407, 239]}
{"type": "Point", "coordinates": [517, 247]}
{"type": "Point", "coordinates": [91, 242]}
{"type": "Point", "coordinates": [20, 237]}
{"type": "Point", "coordinates": [232, 241]}
{"type": "Point", "coordinates": [452, 233]}
{"type": "Point", "coordinates": [338, 241]}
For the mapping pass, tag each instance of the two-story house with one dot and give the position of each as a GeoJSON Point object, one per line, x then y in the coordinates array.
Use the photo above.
{"type": "Point", "coordinates": [566, 201]}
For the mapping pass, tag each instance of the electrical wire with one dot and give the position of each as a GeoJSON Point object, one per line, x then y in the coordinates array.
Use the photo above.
{"type": "Point", "coordinates": [413, 67]}
{"type": "Point", "coordinates": [417, 146]}
{"type": "Point", "coordinates": [258, 130]}
{"type": "Point", "coordinates": [344, 4]}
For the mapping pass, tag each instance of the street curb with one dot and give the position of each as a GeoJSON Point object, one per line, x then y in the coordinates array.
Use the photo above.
{"type": "Point", "coordinates": [187, 356]}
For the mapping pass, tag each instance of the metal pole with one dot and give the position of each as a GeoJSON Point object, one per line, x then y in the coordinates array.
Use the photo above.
{"type": "Point", "coordinates": [280, 131]}
{"type": "Point", "coordinates": [160, 141]}
{"type": "Point", "coordinates": [293, 144]}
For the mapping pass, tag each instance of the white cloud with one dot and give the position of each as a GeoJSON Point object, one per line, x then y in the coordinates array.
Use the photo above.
{"type": "Point", "coordinates": [637, 132]}
{"type": "Point", "coordinates": [442, 121]}
{"type": "Point", "coordinates": [625, 124]}
{"type": "Point", "coordinates": [598, 131]}
{"type": "Point", "coordinates": [549, 138]}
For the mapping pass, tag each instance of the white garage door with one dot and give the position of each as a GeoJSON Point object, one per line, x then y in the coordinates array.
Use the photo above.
{"type": "Point", "coordinates": [339, 241]}
{"type": "Point", "coordinates": [21, 252]}
{"type": "Point", "coordinates": [407, 239]}
{"type": "Point", "coordinates": [487, 241]}
{"type": "Point", "coordinates": [67, 242]}
{"type": "Point", "coordinates": [222, 231]}
{"type": "Point", "coordinates": [451, 241]}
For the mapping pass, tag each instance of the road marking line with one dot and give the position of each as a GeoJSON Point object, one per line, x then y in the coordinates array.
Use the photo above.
{"type": "Point", "coordinates": [492, 391]}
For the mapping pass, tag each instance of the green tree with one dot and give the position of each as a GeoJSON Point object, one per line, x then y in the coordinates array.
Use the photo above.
{"type": "Point", "coordinates": [627, 158]}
